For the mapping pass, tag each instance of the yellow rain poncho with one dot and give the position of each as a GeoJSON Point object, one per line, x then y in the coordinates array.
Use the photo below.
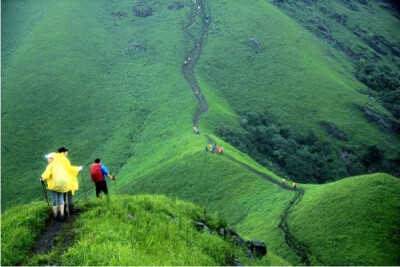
{"type": "Point", "coordinates": [60, 175]}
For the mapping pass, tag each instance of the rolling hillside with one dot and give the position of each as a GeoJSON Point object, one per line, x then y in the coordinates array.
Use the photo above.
{"type": "Point", "coordinates": [354, 221]}
{"type": "Point", "coordinates": [109, 79]}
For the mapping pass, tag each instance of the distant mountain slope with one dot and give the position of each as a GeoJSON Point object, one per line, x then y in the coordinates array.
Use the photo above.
{"type": "Point", "coordinates": [354, 221]}
{"type": "Point", "coordinates": [367, 33]}
{"type": "Point", "coordinates": [259, 58]}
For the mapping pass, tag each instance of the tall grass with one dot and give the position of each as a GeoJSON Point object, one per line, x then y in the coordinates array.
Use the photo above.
{"type": "Point", "coordinates": [20, 227]}
{"type": "Point", "coordinates": [126, 230]}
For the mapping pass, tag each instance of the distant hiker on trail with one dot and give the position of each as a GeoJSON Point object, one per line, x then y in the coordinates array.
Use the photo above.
{"type": "Point", "coordinates": [220, 149]}
{"type": "Point", "coordinates": [283, 182]}
{"type": "Point", "coordinates": [196, 130]}
{"type": "Point", "coordinates": [205, 149]}
{"type": "Point", "coordinates": [213, 148]}
{"type": "Point", "coordinates": [72, 172]}
{"type": "Point", "coordinates": [210, 147]}
{"type": "Point", "coordinates": [98, 172]}
{"type": "Point", "coordinates": [58, 182]}
{"type": "Point", "coordinates": [294, 186]}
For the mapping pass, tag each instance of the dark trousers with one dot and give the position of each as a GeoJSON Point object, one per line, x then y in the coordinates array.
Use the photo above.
{"type": "Point", "coordinates": [101, 186]}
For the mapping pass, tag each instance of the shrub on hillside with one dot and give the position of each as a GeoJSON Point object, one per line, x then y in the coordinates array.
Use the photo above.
{"type": "Point", "coordinates": [385, 82]}
{"type": "Point", "coordinates": [304, 158]}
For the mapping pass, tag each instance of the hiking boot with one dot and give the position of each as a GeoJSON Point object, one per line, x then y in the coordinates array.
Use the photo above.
{"type": "Point", "coordinates": [62, 218]}
{"type": "Point", "coordinates": [72, 209]}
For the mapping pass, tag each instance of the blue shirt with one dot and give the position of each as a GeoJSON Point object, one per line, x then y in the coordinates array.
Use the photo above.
{"type": "Point", "coordinates": [104, 171]}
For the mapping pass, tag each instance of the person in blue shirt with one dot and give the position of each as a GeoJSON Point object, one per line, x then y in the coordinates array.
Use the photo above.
{"type": "Point", "coordinates": [98, 172]}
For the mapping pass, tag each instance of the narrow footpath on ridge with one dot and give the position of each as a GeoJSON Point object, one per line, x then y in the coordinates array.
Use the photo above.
{"type": "Point", "coordinates": [47, 239]}
{"type": "Point", "coordinates": [198, 12]}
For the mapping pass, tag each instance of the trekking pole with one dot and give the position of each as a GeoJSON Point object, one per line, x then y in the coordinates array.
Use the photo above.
{"type": "Point", "coordinates": [83, 183]}
{"type": "Point", "coordinates": [66, 203]}
{"type": "Point", "coordinates": [45, 195]}
{"type": "Point", "coordinates": [116, 187]}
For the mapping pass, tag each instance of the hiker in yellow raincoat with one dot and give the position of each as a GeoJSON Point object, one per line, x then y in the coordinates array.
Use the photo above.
{"type": "Point", "coordinates": [61, 178]}
{"type": "Point", "coordinates": [72, 172]}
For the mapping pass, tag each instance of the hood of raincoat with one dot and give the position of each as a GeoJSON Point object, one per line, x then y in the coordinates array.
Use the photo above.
{"type": "Point", "coordinates": [60, 175]}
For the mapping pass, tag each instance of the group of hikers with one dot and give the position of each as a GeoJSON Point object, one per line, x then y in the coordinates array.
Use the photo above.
{"type": "Point", "coordinates": [284, 184]}
{"type": "Point", "coordinates": [213, 148]}
{"type": "Point", "coordinates": [61, 179]}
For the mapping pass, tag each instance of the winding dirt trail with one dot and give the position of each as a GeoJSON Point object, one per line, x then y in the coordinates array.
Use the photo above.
{"type": "Point", "coordinates": [301, 250]}
{"type": "Point", "coordinates": [198, 12]}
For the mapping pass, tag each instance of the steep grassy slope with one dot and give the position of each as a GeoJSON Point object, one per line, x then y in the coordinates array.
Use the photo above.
{"type": "Point", "coordinates": [140, 230]}
{"type": "Point", "coordinates": [257, 57]}
{"type": "Point", "coordinates": [97, 89]}
{"type": "Point", "coordinates": [354, 221]}
{"type": "Point", "coordinates": [287, 74]}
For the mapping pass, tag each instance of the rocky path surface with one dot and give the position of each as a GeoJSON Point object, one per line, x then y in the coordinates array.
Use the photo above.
{"type": "Point", "coordinates": [198, 15]}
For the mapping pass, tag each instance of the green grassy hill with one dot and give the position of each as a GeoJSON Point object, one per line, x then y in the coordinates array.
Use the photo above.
{"type": "Point", "coordinates": [139, 230]}
{"type": "Point", "coordinates": [259, 58]}
{"type": "Point", "coordinates": [354, 221]}
{"type": "Point", "coordinates": [104, 79]}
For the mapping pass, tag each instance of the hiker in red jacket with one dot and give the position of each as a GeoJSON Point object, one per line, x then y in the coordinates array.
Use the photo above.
{"type": "Point", "coordinates": [98, 172]}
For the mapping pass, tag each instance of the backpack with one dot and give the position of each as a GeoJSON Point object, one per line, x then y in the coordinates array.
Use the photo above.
{"type": "Point", "coordinates": [95, 172]}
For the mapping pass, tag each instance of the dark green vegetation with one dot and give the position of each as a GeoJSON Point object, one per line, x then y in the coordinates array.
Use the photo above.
{"type": "Point", "coordinates": [139, 230]}
{"type": "Point", "coordinates": [302, 157]}
{"type": "Point", "coordinates": [104, 78]}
